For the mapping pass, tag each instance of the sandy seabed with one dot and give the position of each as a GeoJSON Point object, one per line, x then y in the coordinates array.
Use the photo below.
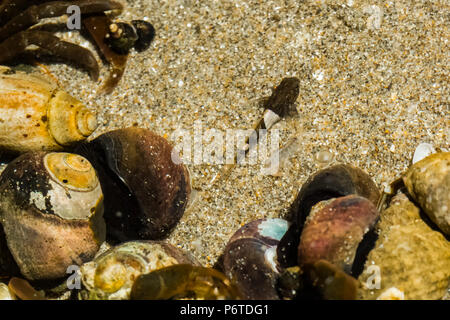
{"type": "Point", "coordinates": [373, 85]}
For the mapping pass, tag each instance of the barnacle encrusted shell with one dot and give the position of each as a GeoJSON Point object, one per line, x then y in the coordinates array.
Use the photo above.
{"type": "Point", "coordinates": [51, 207]}
{"type": "Point", "coordinates": [428, 182]}
{"type": "Point", "coordinates": [111, 275]}
{"type": "Point", "coordinates": [410, 256]}
{"type": "Point", "coordinates": [146, 193]}
{"type": "Point", "coordinates": [250, 258]}
{"type": "Point", "coordinates": [36, 115]}
{"type": "Point", "coordinates": [334, 230]}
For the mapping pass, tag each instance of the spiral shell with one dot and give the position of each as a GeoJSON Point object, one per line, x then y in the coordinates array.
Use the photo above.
{"type": "Point", "coordinates": [408, 256]}
{"type": "Point", "coordinates": [53, 202]}
{"type": "Point", "coordinates": [36, 115]}
{"type": "Point", "coordinates": [111, 275]}
{"type": "Point", "coordinates": [146, 193]}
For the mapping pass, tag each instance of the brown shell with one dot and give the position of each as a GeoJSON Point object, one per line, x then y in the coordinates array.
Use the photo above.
{"type": "Point", "coordinates": [51, 219]}
{"type": "Point", "coordinates": [334, 230]}
{"type": "Point", "coordinates": [146, 193]}
{"type": "Point", "coordinates": [411, 257]}
{"type": "Point", "coordinates": [111, 274]}
{"type": "Point", "coordinates": [428, 182]}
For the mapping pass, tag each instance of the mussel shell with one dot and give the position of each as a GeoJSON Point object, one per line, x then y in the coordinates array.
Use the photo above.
{"type": "Point", "coordinates": [111, 275]}
{"type": "Point", "coordinates": [146, 193]}
{"type": "Point", "coordinates": [250, 258]}
{"type": "Point", "coordinates": [51, 208]}
{"type": "Point", "coordinates": [334, 230]}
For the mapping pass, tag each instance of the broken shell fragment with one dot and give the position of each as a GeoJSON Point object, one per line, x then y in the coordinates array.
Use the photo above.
{"type": "Point", "coordinates": [408, 255]}
{"type": "Point", "coordinates": [250, 258]}
{"type": "Point", "coordinates": [334, 230]}
{"type": "Point", "coordinates": [36, 115]}
{"type": "Point", "coordinates": [146, 193]}
{"type": "Point", "coordinates": [111, 275]}
{"type": "Point", "coordinates": [428, 182]}
{"type": "Point", "coordinates": [331, 282]}
{"type": "Point", "coordinates": [53, 203]}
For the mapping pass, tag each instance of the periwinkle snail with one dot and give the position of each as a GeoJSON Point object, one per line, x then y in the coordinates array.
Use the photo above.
{"type": "Point", "coordinates": [332, 182]}
{"type": "Point", "coordinates": [334, 229]}
{"type": "Point", "coordinates": [53, 202]}
{"type": "Point", "coordinates": [146, 193]}
{"type": "Point", "coordinates": [250, 258]}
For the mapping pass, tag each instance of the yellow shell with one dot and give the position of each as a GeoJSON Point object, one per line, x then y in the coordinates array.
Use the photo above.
{"type": "Point", "coordinates": [36, 115]}
{"type": "Point", "coordinates": [428, 182]}
{"type": "Point", "coordinates": [408, 255]}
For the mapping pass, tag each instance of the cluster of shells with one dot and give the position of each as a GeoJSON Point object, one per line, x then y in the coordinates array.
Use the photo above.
{"type": "Point", "coordinates": [102, 208]}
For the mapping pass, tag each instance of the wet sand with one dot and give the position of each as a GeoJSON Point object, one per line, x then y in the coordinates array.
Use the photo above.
{"type": "Point", "coordinates": [373, 85]}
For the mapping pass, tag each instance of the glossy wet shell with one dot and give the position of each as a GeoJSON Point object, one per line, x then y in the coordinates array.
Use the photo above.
{"type": "Point", "coordinates": [332, 182]}
{"type": "Point", "coordinates": [250, 258]}
{"type": "Point", "coordinates": [52, 202]}
{"type": "Point", "coordinates": [146, 193]}
{"type": "Point", "coordinates": [111, 275]}
{"type": "Point", "coordinates": [183, 281]}
{"type": "Point", "coordinates": [334, 230]}
{"type": "Point", "coordinates": [410, 255]}
{"type": "Point", "coordinates": [36, 115]}
{"type": "Point", "coordinates": [428, 182]}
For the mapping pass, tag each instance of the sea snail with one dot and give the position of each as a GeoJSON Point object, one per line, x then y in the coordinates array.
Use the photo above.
{"type": "Point", "coordinates": [51, 207]}
{"type": "Point", "coordinates": [37, 115]}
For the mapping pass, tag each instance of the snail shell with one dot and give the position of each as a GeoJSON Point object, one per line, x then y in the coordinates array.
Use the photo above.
{"type": "Point", "coordinates": [51, 207]}
{"type": "Point", "coordinates": [146, 193]}
{"type": "Point", "coordinates": [111, 275]}
{"type": "Point", "coordinates": [333, 182]}
{"type": "Point", "coordinates": [182, 281]}
{"type": "Point", "coordinates": [410, 256]}
{"type": "Point", "coordinates": [36, 115]}
{"type": "Point", "coordinates": [250, 258]}
{"type": "Point", "coordinates": [334, 229]}
{"type": "Point", "coordinates": [428, 182]}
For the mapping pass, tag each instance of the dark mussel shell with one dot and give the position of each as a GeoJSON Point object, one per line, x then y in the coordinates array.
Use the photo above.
{"type": "Point", "coordinates": [145, 192]}
{"type": "Point", "coordinates": [332, 182]}
{"type": "Point", "coordinates": [250, 258]}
